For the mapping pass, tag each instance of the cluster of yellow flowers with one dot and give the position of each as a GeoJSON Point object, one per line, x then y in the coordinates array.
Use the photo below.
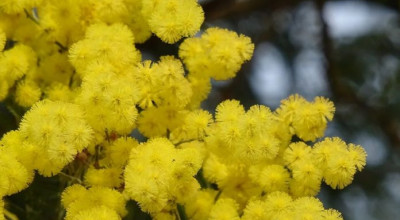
{"type": "Point", "coordinates": [100, 203]}
{"type": "Point", "coordinates": [73, 66]}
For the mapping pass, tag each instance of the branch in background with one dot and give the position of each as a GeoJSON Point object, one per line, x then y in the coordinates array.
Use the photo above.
{"type": "Point", "coordinates": [344, 94]}
{"type": "Point", "coordinates": [218, 9]}
{"type": "Point", "coordinates": [392, 4]}
{"type": "Point", "coordinates": [225, 8]}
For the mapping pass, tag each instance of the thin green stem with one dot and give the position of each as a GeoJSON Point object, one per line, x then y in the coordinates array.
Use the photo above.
{"type": "Point", "coordinates": [14, 112]}
{"type": "Point", "coordinates": [217, 196]}
{"type": "Point", "coordinates": [31, 17]}
{"type": "Point", "coordinates": [181, 212]}
{"type": "Point", "coordinates": [71, 177]}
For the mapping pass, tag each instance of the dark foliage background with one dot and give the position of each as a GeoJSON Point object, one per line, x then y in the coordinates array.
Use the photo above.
{"type": "Point", "coordinates": [346, 50]}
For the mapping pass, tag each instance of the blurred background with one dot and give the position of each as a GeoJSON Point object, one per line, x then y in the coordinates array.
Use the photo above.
{"type": "Point", "coordinates": [346, 50]}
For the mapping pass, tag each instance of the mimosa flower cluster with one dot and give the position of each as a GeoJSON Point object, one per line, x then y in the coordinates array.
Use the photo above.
{"type": "Point", "coordinates": [73, 67]}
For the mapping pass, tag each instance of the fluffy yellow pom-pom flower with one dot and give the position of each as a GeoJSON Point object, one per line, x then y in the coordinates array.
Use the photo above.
{"type": "Point", "coordinates": [173, 19]}
{"type": "Point", "coordinates": [60, 130]}
{"type": "Point", "coordinates": [98, 213]}
{"type": "Point", "coordinates": [219, 53]}
{"type": "Point", "coordinates": [14, 176]}
{"type": "Point", "coordinates": [2, 40]}
{"type": "Point", "coordinates": [27, 93]}
{"type": "Point", "coordinates": [225, 209]}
